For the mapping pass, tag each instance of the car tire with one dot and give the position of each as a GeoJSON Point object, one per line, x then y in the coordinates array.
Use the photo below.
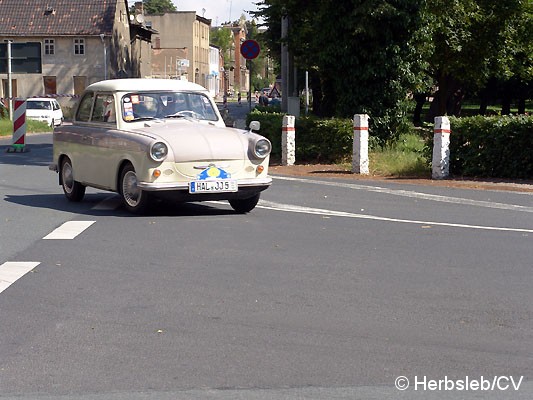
{"type": "Point", "coordinates": [74, 191]}
{"type": "Point", "coordinates": [243, 206]}
{"type": "Point", "coordinates": [134, 199]}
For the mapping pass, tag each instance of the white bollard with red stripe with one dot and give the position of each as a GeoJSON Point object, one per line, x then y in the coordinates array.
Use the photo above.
{"type": "Point", "coordinates": [288, 139]}
{"type": "Point", "coordinates": [19, 127]}
{"type": "Point", "coordinates": [441, 148]}
{"type": "Point", "coordinates": [360, 160]}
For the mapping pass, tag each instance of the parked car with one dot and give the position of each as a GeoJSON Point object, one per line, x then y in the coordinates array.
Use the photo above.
{"type": "Point", "coordinates": [144, 138]}
{"type": "Point", "coordinates": [44, 109]}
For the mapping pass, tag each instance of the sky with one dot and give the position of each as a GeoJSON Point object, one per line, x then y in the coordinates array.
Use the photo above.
{"type": "Point", "coordinates": [218, 11]}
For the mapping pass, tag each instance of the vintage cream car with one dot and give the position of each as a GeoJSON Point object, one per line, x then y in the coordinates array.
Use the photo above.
{"type": "Point", "coordinates": [156, 137]}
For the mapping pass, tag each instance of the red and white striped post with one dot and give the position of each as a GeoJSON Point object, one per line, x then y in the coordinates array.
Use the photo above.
{"type": "Point", "coordinates": [441, 148]}
{"type": "Point", "coordinates": [19, 127]}
{"type": "Point", "coordinates": [360, 144]}
{"type": "Point", "coordinates": [288, 138]}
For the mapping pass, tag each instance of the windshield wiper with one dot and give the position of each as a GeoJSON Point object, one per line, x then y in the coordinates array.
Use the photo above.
{"type": "Point", "coordinates": [143, 119]}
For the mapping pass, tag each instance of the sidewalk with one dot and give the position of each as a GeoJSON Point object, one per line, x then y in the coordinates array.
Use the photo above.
{"type": "Point", "coordinates": [317, 171]}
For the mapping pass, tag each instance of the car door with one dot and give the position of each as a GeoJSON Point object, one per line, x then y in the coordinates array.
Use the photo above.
{"type": "Point", "coordinates": [101, 156]}
{"type": "Point", "coordinates": [86, 143]}
{"type": "Point", "coordinates": [57, 112]}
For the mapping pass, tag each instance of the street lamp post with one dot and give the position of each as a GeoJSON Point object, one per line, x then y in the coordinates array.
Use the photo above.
{"type": "Point", "coordinates": [9, 82]}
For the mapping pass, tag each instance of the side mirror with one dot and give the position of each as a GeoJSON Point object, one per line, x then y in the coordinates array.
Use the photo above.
{"type": "Point", "coordinates": [255, 125]}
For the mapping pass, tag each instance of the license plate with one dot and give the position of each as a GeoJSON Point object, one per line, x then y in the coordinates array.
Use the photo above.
{"type": "Point", "coordinates": [213, 186]}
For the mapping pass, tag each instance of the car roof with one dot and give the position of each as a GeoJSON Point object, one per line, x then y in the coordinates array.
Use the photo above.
{"type": "Point", "coordinates": [144, 84]}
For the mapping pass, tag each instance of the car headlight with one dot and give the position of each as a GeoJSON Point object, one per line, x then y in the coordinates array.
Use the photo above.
{"type": "Point", "coordinates": [158, 151]}
{"type": "Point", "coordinates": [262, 148]}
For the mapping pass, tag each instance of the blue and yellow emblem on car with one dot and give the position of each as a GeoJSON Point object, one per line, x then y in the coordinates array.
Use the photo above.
{"type": "Point", "coordinates": [213, 172]}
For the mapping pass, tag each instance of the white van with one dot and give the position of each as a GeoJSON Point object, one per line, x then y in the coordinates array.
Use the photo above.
{"type": "Point", "coordinates": [44, 109]}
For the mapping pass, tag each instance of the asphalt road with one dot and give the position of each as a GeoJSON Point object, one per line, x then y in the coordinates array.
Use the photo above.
{"type": "Point", "coordinates": [329, 289]}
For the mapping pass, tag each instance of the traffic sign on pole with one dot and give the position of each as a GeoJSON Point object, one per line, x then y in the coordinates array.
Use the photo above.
{"type": "Point", "coordinates": [250, 49]}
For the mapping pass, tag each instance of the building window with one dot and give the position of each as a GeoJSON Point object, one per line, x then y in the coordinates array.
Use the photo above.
{"type": "Point", "coordinates": [79, 46]}
{"type": "Point", "coordinates": [49, 47]}
{"type": "Point", "coordinates": [50, 84]}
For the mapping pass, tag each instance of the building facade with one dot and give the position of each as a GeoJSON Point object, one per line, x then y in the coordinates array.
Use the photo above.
{"type": "Point", "coordinates": [80, 43]}
{"type": "Point", "coordinates": [214, 81]}
{"type": "Point", "coordinates": [181, 46]}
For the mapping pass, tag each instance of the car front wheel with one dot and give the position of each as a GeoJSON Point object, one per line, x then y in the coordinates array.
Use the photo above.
{"type": "Point", "coordinates": [74, 191]}
{"type": "Point", "coordinates": [135, 200]}
{"type": "Point", "coordinates": [242, 206]}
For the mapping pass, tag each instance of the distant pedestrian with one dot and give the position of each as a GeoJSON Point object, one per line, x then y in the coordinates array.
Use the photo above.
{"type": "Point", "coordinates": [263, 99]}
{"type": "Point", "coordinates": [225, 100]}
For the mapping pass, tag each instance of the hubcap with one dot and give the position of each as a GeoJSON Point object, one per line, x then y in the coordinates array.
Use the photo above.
{"type": "Point", "coordinates": [130, 191]}
{"type": "Point", "coordinates": [68, 179]}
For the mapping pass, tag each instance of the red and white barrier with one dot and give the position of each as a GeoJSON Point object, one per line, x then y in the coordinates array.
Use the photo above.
{"type": "Point", "coordinates": [360, 159]}
{"type": "Point", "coordinates": [19, 123]}
{"type": "Point", "coordinates": [19, 127]}
{"type": "Point", "coordinates": [288, 139]}
{"type": "Point", "coordinates": [441, 148]}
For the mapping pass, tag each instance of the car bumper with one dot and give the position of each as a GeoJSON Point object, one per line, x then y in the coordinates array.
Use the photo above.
{"type": "Point", "coordinates": [180, 191]}
{"type": "Point", "coordinates": [180, 186]}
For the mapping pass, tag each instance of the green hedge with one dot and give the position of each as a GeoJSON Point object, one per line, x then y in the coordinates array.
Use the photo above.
{"type": "Point", "coordinates": [317, 140]}
{"type": "Point", "coordinates": [480, 146]}
{"type": "Point", "coordinates": [499, 147]}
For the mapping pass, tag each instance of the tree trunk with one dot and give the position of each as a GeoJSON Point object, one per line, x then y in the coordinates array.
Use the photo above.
{"type": "Point", "coordinates": [483, 105]}
{"type": "Point", "coordinates": [506, 105]}
{"type": "Point", "coordinates": [448, 86]}
{"type": "Point", "coordinates": [522, 106]}
{"type": "Point", "coordinates": [420, 99]}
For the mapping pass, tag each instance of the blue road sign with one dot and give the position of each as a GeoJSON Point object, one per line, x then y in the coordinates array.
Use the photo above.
{"type": "Point", "coordinates": [250, 49]}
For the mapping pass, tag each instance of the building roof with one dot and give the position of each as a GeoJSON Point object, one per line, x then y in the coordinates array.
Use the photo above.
{"type": "Point", "coordinates": [57, 17]}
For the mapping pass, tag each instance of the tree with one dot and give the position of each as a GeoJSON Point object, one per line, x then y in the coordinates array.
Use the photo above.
{"type": "Point", "coordinates": [474, 41]}
{"type": "Point", "coordinates": [158, 6]}
{"type": "Point", "coordinates": [359, 54]}
{"type": "Point", "coordinates": [223, 39]}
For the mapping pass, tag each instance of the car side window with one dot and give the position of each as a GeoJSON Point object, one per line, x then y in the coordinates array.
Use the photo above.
{"type": "Point", "coordinates": [104, 109]}
{"type": "Point", "coordinates": [84, 110]}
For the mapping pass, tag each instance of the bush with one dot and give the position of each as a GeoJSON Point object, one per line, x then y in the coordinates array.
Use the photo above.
{"type": "Point", "coordinates": [492, 146]}
{"type": "Point", "coordinates": [317, 140]}
{"type": "Point", "coordinates": [323, 140]}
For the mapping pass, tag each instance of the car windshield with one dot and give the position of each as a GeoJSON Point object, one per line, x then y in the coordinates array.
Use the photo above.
{"type": "Point", "coordinates": [151, 105]}
{"type": "Point", "coordinates": [38, 105]}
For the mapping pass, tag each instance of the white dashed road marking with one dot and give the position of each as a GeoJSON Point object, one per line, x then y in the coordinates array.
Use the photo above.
{"type": "Point", "coordinates": [12, 270]}
{"type": "Point", "coordinates": [69, 230]}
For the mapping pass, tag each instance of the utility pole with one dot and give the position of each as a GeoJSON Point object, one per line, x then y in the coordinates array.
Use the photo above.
{"type": "Point", "coordinates": [284, 63]}
{"type": "Point", "coordinates": [9, 83]}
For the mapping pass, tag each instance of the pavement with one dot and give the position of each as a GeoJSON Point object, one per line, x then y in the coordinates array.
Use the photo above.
{"type": "Point", "coordinates": [335, 171]}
